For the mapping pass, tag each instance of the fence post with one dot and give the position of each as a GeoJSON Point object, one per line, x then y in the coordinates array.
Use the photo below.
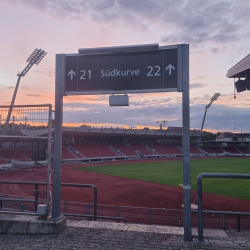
{"type": "Point", "coordinates": [238, 219]}
{"type": "Point", "coordinates": [21, 207]}
{"type": "Point", "coordinates": [178, 218]}
{"type": "Point", "coordinates": [200, 213]}
{"type": "Point", "coordinates": [149, 216]}
{"type": "Point", "coordinates": [223, 221]}
{"type": "Point", "coordinates": [116, 212]}
{"type": "Point", "coordinates": [95, 203]}
{"type": "Point", "coordinates": [5, 202]}
{"type": "Point", "coordinates": [65, 207]}
{"type": "Point", "coordinates": [57, 165]}
{"type": "Point", "coordinates": [36, 197]}
{"type": "Point", "coordinates": [1, 203]}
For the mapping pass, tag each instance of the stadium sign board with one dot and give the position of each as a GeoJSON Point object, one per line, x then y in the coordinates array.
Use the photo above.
{"type": "Point", "coordinates": [158, 70]}
{"type": "Point", "coordinates": [122, 70]}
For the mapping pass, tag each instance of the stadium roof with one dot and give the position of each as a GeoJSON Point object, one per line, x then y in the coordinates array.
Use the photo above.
{"type": "Point", "coordinates": [220, 142]}
{"type": "Point", "coordinates": [125, 133]}
{"type": "Point", "coordinates": [240, 69]}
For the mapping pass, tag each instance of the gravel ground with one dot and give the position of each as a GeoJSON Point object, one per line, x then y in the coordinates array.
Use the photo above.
{"type": "Point", "coordinates": [95, 238]}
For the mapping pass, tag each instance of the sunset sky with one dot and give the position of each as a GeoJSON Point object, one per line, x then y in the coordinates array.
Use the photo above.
{"type": "Point", "coordinates": [217, 31]}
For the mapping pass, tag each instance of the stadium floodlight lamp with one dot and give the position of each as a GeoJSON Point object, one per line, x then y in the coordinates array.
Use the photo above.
{"type": "Point", "coordinates": [35, 58]}
{"type": "Point", "coordinates": [213, 98]}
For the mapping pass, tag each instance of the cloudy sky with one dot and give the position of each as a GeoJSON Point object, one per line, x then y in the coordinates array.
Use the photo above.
{"type": "Point", "coordinates": [217, 31]}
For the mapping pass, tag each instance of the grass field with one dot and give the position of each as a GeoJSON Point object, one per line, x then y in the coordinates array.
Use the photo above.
{"type": "Point", "coordinates": [170, 173]}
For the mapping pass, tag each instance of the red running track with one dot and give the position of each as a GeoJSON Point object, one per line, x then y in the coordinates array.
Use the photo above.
{"type": "Point", "coordinates": [121, 191]}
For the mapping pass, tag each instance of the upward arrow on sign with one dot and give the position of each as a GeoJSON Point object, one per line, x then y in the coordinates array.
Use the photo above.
{"type": "Point", "coordinates": [170, 67]}
{"type": "Point", "coordinates": [71, 73]}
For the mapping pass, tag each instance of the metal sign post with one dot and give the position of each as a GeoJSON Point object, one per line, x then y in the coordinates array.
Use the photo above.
{"type": "Point", "coordinates": [122, 70]}
{"type": "Point", "coordinates": [186, 146]}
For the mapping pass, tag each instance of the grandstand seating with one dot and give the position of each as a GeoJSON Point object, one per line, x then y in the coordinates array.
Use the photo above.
{"type": "Point", "coordinates": [26, 152]}
{"type": "Point", "coordinates": [86, 150]}
{"type": "Point", "coordinates": [66, 154]}
{"type": "Point", "coordinates": [165, 149]}
{"type": "Point", "coordinates": [232, 150]}
{"type": "Point", "coordinates": [94, 150]}
{"type": "Point", "coordinates": [12, 154]}
{"type": "Point", "coordinates": [216, 150]}
{"type": "Point", "coordinates": [206, 149]}
{"type": "Point", "coordinates": [194, 150]}
{"type": "Point", "coordinates": [142, 149]}
{"type": "Point", "coordinates": [244, 150]}
{"type": "Point", "coordinates": [104, 150]}
{"type": "Point", "coordinates": [2, 161]}
{"type": "Point", "coordinates": [127, 150]}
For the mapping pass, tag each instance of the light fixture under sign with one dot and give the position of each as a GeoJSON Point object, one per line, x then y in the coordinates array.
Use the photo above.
{"type": "Point", "coordinates": [118, 100]}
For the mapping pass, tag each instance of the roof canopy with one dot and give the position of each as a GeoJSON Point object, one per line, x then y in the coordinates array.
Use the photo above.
{"type": "Point", "coordinates": [240, 69]}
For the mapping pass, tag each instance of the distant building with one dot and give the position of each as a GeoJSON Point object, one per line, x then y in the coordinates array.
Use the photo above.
{"type": "Point", "coordinates": [174, 129]}
{"type": "Point", "coordinates": [243, 137]}
{"type": "Point", "coordinates": [227, 136]}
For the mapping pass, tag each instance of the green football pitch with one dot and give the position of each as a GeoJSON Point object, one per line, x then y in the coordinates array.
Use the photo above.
{"type": "Point", "coordinates": [170, 173]}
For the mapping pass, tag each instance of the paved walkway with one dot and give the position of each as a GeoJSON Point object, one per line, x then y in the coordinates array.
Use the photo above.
{"type": "Point", "coordinates": [95, 235]}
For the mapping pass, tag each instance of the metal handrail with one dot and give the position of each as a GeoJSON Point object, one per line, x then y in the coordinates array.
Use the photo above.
{"type": "Point", "coordinates": [91, 216]}
{"type": "Point", "coordinates": [199, 189]}
{"type": "Point", "coordinates": [62, 184]}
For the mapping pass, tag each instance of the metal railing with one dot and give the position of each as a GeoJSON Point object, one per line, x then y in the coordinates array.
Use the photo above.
{"type": "Point", "coordinates": [25, 146]}
{"type": "Point", "coordinates": [36, 201]}
{"type": "Point", "coordinates": [140, 215]}
{"type": "Point", "coordinates": [200, 211]}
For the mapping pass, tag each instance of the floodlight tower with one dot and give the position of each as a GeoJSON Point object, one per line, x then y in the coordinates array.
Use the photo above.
{"type": "Point", "coordinates": [163, 121]}
{"type": "Point", "coordinates": [35, 58]}
{"type": "Point", "coordinates": [213, 98]}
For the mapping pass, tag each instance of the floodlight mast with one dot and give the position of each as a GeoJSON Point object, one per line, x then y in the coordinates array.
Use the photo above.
{"type": "Point", "coordinates": [213, 98]}
{"type": "Point", "coordinates": [35, 58]}
{"type": "Point", "coordinates": [163, 121]}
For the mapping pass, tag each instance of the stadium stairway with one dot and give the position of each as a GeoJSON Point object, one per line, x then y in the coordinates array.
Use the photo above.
{"type": "Point", "coordinates": [2, 161]}
{"type": "Point", "coordinates": [142, 149]}
{"type": "Point", "coordinates": [66, 154]}
{"type": "Point", "coordinates": [86, 150]}
{"type": "Point", "coordinates": [195, 151]}
{"type": "Point", "coordinates": [207, 152]}
{"type": "Point", "coordinates": [232, 151]}
{"type": "Point", "coordinates": [217, 150]}
{"type": "Point", "coordinates": [12, 154]}
{"type": "Point", "coordinates": [152, 150]}
{"type": "Point", "coordinates": [165, 149]}
{"type": "Point", "coordinates": [126, 150]}
{"type": "Point", "coordinates": [244, 151]}
{"type": "Point", "coordinates": [114, 149]}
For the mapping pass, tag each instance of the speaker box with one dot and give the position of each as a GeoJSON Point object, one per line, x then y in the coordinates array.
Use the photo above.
{"type": "Point", "coordinates": [39, 150]}
{"type": "Point", "coordinates": [240, 86]}
{"type": "Point", "coordinates": [247, 83]}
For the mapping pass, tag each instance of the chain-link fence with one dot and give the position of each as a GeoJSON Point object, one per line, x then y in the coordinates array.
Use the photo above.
{"type": "Point", "coordinates": [25, 155]}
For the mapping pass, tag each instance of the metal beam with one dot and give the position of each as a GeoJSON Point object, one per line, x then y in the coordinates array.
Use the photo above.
{"type": "Point", "coordinates": [57, 165]}
{"type": "Point", "coordinates": [117, 49]}
{"type": "Point", "coordinates": [186, 145]}
{"type": "Point", "coordinates": [11, 105]}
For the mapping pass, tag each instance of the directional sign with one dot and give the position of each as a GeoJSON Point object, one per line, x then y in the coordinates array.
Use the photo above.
{"type": "Point", "coordinates": [147, 71]}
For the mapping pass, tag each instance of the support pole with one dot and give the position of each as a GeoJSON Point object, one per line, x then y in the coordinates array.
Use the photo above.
{"type": "Point", "coordinates": [203, 122]}
{"type": "Point", "coordinates": [49, 158]}
{"type": "Point", "coordinates": [186, 145]}
{"type": "Point", "coordinates": [200, 213]}
{"type": "Point", "coordinates": [57, 167]}
{"type": "Point", "coordinates": [12, 104]}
